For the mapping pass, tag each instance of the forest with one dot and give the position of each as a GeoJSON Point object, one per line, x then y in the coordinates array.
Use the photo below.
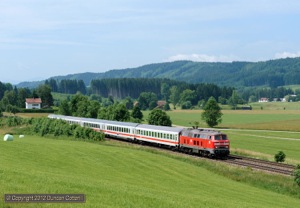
{"type": "Point", "coordinates": [272, 73]}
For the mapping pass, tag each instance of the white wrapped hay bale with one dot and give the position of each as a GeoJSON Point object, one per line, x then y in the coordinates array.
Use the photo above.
{"type": "Point", "coordinates": [21, 136]}
{"type": "Point", "coordinates": [8, 137]}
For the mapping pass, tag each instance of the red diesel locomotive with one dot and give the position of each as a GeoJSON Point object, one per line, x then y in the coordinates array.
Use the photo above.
{"type": "Point", "coordinates": [204, 142]}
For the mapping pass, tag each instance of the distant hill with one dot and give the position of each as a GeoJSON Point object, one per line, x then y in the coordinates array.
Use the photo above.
{"type": "Point", "coordinates": [271, 73]}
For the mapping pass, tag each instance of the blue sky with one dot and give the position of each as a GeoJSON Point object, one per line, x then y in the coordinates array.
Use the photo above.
{"type": "Point", "coordinates": [40, 39]}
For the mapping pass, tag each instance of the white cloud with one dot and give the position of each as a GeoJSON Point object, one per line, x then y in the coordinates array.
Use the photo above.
{"type": "Point", "coordinates": [202, 58]}
{"type": "Point", "coordinates": [287, 55]}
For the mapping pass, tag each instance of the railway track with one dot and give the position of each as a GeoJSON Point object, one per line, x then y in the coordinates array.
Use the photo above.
{"type": "Point", "coordinates": [262, 165]}
{"type": "Point", "coordinates": [257, 164]}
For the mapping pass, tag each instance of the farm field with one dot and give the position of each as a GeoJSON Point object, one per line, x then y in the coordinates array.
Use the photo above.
{"type": "Point", "coordinates": [112, 175]}
{"type": "Point", "coordinates": [265, 144]}
{"type": "Point", "coordinates": [243, 119]}
{"type": "Point", "coordinates": [260, 133]}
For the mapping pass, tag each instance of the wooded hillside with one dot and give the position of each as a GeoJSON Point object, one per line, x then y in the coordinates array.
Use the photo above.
{"type": "Point", "coordinates": [271, 73]}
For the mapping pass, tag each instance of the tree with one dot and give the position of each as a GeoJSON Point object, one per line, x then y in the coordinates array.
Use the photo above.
{"type": "Point", "coordinates": [120, 113]}
{"type": "Point", "coordinates": [279, 157]}
{"type": "Point", "coordinates": [297, 175]}
{"type": "Point", "coordinates": [167, 106]}
{"type": "Point", "coordinates": [74, 104]}
{"type": "Point", "coordinates": [128, 103]}
{"type": "Point", "coordinates": [44, 92]}
{"type": "Point", "coordinates": [159, 117]}
{"type": "Point", "coordinates": [92, 109]}
{"type": "Point", "coordinates": [64, 108]}
{"type": "Point", "coordinates": [212, 114]}
{"type": "Point", "coordinates": [234, 99]}
{"type": "Point", "coordinates": [147, 100]}
{"type": "Point", "coordinates": [186, 105]}
{"type": "Point", "coordinates": [165, 91]}
{"type": "Point", "coordinates": [188, 95]}
{"type": "Point", "coordinates": [174, 95]}
{"type": "Point", "coordinates": [137, 113]}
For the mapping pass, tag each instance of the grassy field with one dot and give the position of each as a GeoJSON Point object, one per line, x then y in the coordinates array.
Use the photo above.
{"type": "Point", "coordinates": [260, 133]}
{"type": "Point", "coordinates": [254, 119]}
{"type": "Point", "coordinates": [265, 144]}
{"type": "Point", "coordinates": [112, 175]}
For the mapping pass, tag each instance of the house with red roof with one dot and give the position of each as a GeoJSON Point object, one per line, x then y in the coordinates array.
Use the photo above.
{"type": "Point", "coordinates": [33, 103]}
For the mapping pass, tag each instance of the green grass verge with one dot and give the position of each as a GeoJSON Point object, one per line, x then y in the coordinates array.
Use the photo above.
{"type": "Point", "coordinates": [266, 143]}
{"type": "Point", "coordinates": [123, 176]}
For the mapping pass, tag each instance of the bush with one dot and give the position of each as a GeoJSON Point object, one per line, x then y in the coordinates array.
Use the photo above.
{"type": "Point", "coordinates": [186, 105]}
{"type": "Point", "coordinates": [297, 175]}
{"type": "Point", "coordinates": [279, 157]}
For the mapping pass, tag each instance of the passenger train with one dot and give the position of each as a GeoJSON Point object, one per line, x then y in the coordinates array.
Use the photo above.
{"type": "Point", "coordinates": [204, 142]}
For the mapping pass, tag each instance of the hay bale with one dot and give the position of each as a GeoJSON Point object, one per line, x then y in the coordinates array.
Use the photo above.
{"type": "Point", "coordinates": [8, 137]}
{"type": "Point", "coordinates": [21, 136]}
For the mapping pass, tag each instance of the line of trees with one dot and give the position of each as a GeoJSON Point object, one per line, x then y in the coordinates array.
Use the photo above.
{"type": "Point", "coordinates": [177, 92]}
{"type": "Point", "coordinates": [67, 86]}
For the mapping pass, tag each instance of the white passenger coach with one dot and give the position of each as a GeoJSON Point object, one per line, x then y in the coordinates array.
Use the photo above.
{"type": "Point", "coordinates": [163, 135]}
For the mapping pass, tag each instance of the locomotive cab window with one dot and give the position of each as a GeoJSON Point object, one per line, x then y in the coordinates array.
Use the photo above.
{"type": "Point", "coordinates": [218, 137]}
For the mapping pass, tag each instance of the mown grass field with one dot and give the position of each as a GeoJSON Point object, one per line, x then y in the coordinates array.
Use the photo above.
{"type": "Point", "coordinates": [113, 175]}
{"type": "Point", "coordinates": [260, 133]}
{"type": "Point", "coordinates": [278, 130]}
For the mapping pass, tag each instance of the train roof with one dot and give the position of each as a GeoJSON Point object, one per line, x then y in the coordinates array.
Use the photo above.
{"type": "Point", "coordinates": [204, 131]}
{"type": "Point", "coordinates": [160, 128]}
{"type": "Point", "coordinates": [93, 120]}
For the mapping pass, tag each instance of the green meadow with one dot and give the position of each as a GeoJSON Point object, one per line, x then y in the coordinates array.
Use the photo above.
{"type": "Point", "coordinates": [259, 133]}
{"type": "Point", "coordinates": [120, 175]}
{"type": "Point", "coordinates": [111, 174]}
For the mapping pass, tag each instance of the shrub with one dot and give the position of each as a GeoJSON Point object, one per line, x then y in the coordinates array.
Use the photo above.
{"type": "Point", "coordinates": [297, 175]}
{"type": "Point", "coordinates": [186, 105]}
{"type": "Point", "coordinates": [279, 157]}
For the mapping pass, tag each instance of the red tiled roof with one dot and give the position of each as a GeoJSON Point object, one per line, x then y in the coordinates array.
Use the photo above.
{"type": "Point", "coordinates": [34, 100]}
